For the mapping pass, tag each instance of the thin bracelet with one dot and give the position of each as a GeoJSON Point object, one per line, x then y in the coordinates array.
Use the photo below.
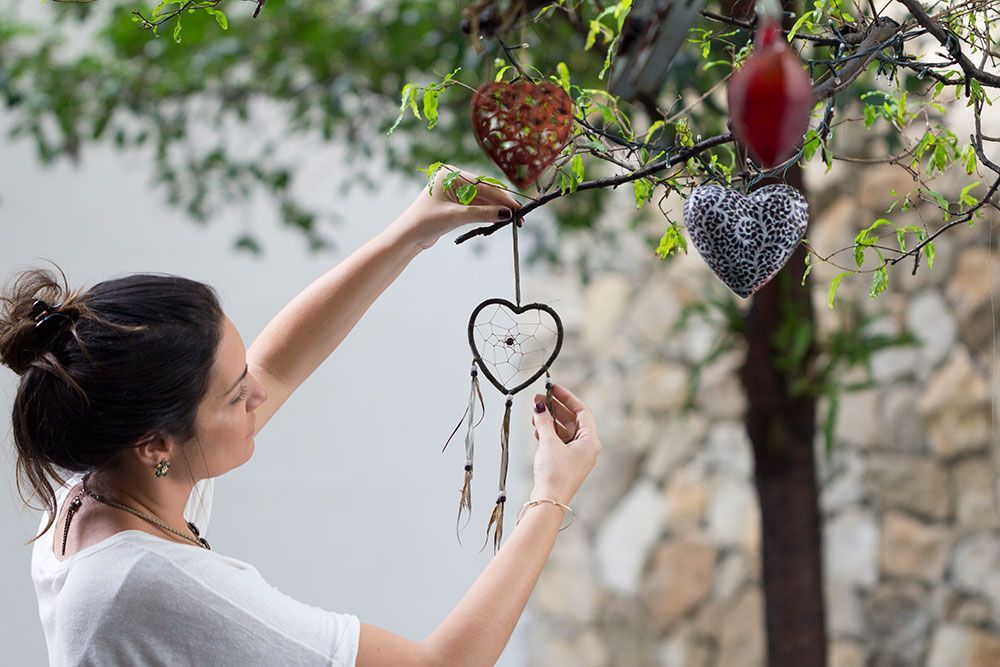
{"type": "Point", "coordinates": [531, 503]}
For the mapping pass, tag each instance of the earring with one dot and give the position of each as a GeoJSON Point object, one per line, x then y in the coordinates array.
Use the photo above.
{"type": "Point", "coordinates": [162, 467]}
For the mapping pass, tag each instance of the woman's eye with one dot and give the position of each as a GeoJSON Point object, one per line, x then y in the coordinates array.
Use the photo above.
{"type": "Point", "coordinates": [243, 394]}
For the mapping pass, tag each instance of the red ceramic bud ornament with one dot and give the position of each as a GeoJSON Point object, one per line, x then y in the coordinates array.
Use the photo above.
{"type": "Point", "coordinates": [770, 97]}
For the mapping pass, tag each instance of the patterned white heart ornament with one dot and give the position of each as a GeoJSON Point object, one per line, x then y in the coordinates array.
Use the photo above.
{"type": "Point", "coordinates": [746, 240]}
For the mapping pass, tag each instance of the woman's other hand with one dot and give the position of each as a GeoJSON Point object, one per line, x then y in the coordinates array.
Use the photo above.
{"type": "Point", "coordinates": [435, 213]}
{"type": "Point", "coordinates": [567, 445]}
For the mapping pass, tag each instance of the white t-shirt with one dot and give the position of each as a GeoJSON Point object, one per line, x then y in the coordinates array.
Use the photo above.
{"type": "Point", "coordinates": [138, 599]}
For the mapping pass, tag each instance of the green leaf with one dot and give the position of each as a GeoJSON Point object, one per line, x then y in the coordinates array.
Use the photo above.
{"type": "Point", "coordinates": [859, 254]}
{"type": "Point", "coordinates": [161, 8]}
{"type": "Point", "coordinates": [941, 201]}
{"type": "Point", "coordinates": [658, 125]}
{"type": "Point", "coordinates": [671, 242]}
{"type": "Point", "coordinates": [643, 189]}
{"type": "Point", "coordinates": [879, 281]}
{"type": "Point", "coordinates": [500, 72]}
{"type": "Point", "coordinates": [220, 17]}
{"type": "Point", "coordinates": [864, 240]}
{"type": "Point", "coordinates": [867, 231]}
{"type": "Point", "coordinates": [871, 115]}
{"type": "Point", "coordinates": [966, 198]}
{"type": "Point", "coordinates": [466, 193]}
{"type": "Point", "coordinates": [811, 144]}
{"type": "Point", "coordinates": [595, 27]}
{"type": "Point", "coordinates": [596, 145]}
{"type": "Point", "coordinates": [831, 292]}
{"type": "Point", "coordinates": [431, 106]}
{"type": "Point", "coordinates": [450, 179]}
{"type": "Point", "coordinates": [490, 179]}
{"type": "Point", "coordinates": [901, 235]}
{"type": "Point", "coordinates": [607, 57]}
{"type": "Point", "coordinates": [563, 75]}
{"type": "Point", "coordinates": [177, 30]}
{"type": "Point", "coordinates": [804, 21]}
{"type": "Point", "coordinates": [407, 98]}
{"type": "Point", "coordinates": [970, 159]}
{"type": "Point", "coordinates": [431, 172]}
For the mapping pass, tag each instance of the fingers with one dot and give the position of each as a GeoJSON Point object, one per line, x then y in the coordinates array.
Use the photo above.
{"type": "Point", "coordinates": [567, 398]}
{"type": "Point", "coordinates": [562, 414]}
{"type": "Point", "coordinates": [486, 194]}
{"type": "Point", "coordinates": [543, 422]}
{"type": "Point", "coordinates": [490, 213]}
{"type": "Point", "coordinates": [563, 422]}
{"type": "Point", "coordinates": [578, 407]}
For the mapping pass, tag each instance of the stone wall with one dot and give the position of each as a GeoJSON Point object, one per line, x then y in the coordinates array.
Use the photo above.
{"type": "Point", "coordinates": [662, 566]}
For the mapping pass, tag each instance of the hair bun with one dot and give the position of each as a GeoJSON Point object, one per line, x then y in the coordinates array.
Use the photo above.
{"type": "Point", "coordinates": [29, 326]}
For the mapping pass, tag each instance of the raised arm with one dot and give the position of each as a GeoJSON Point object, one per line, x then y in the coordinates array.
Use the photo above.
{"type": "Point", "coordinates": [314, 323]}
{"type": "Point", "coordinates": [476, 631]}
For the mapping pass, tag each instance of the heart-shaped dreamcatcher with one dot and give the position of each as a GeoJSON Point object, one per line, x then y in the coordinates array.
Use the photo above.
{"type": "Point", "coordinates": [746, 240]}
{"type": "Point", "coordinates": [522, 126]}
{"type": "Point", "coordinates": [512, 345]}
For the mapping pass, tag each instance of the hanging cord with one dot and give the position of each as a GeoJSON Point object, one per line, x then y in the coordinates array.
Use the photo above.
{"type": "Point", "coordinates": [548, 393]}
{"type": "Point", "coordinates": [517, 269]}
{"type": "Point", "coordinates": [524, 44]}
{"type": "Point", "coordinates": [496, 519]}
{"type": "Point", "coordinates": [465, 497]}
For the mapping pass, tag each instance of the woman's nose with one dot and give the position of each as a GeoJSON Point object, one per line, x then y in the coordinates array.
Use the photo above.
{"type": "Point", "coordinates": [259, 395]}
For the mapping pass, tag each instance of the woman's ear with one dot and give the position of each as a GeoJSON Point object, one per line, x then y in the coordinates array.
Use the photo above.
{"type": "Point", "coordinates": [153, 448]}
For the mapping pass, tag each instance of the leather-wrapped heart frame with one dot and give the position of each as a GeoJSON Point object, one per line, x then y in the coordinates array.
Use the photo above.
{"type": "Point", "coordinates": [512, 340]}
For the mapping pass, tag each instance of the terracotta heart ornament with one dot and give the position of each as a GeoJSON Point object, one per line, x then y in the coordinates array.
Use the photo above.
{"type": "Point", "coordinates": [514, 345]}
{"type": "Point", "coordinates": [746, 240]}
{"type": "Point", "coordinates": [522, 126]}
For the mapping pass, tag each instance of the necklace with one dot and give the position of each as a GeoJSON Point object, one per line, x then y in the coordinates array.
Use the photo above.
{"type": "Point", "coordinates": [77, 502]}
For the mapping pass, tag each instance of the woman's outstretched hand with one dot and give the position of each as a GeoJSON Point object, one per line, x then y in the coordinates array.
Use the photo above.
{"type": "Point", "coordinates": [567, 445]}
{"type": "Point", "coordinates": [435, 213]}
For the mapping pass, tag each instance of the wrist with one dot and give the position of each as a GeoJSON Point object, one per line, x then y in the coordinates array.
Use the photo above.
{"type": "Point", "coordinates": [534, 504]}
{"type": "Point", "coordinates": [402, 232]}
{"type": "Point", "coordinates": [539, 493]}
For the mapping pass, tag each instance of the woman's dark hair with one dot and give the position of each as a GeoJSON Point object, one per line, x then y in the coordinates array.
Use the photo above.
{"type": "Point", "coordinates": [133, 363]}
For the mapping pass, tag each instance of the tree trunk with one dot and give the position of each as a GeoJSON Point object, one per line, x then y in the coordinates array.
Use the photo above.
{"type": "Point", "coordinates": [782, 429]}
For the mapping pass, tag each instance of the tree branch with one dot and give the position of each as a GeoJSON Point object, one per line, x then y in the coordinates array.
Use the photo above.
{"type": "Point", "coordinates": [950, 42]}
{"type": "Point", "coordinates": [879, 35]}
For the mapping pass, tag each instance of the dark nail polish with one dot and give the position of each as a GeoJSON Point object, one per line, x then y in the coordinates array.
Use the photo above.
{"type": "Point", "coordinates": [539, 407]}
{"type": "Point", "coordinates": [505, 214]}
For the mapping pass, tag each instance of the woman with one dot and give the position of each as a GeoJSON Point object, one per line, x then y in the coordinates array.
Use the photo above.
{"type": "Point", "coordinates": [139, 391]}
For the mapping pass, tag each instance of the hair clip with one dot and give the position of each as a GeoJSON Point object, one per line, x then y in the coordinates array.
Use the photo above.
{"type": "Point", "coordinates": [49, 323]}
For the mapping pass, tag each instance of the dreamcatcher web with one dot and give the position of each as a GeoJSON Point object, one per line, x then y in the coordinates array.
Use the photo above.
{"type": "Point", "coordinates": [513, 349]}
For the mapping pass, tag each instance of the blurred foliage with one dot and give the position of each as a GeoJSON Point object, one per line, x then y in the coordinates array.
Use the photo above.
{"type": "Point", "coordinates": [332, 70]}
